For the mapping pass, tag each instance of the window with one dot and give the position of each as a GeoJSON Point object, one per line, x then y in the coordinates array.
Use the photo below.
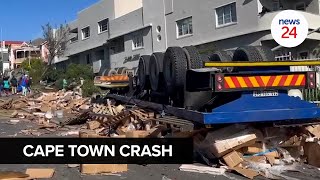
{"type": "Point", "coordinates": [103, 26]}
{"type": "Point", "coordinates": [85, 33]}
{"type": "Point", "coordinates": [301, 6]}
{"type": "Point", "coordinates": [275, 5]}
{"type": "Point", "coordinates": [137, 41]}
{"type": "Point", "coordinates": [74, 39]}
{"type": "Point", "coordinates": [226, 14]}
{"type": "Point", "coordinates": [117, 45]}
{"type": "Point", "coordinates": [184, 27]}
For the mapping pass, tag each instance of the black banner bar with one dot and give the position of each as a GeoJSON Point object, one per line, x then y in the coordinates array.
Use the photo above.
{"type": "Point", "coordinates": [95, 151]}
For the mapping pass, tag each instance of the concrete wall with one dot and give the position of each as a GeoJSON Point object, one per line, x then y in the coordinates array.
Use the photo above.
{"type": "Point", "coordinates": [122, 59]}
{"type": "Point", "coordinates": [126, 23]}
{"type": "Point", "coordinates": [90, 17]}
{"type": "Point", "coordinates": [154, 13]}
{"type": "Point", "coordinates": [204, 21]}
{"type": "Point", "coordinates": [123, 7]}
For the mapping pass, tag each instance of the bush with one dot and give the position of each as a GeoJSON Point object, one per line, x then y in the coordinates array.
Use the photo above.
{"type": "Point", "coordinates": [79, 70]}
{"type": "Point", "coordinates": [35, 68]}
{"type": "Point", "coordinates": [88, 88]}
{"type": "Point", "coordinates": [53, 75]}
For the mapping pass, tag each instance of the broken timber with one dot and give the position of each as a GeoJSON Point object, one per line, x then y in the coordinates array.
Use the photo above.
{"type": "Point", "coordinates": [178, 112]}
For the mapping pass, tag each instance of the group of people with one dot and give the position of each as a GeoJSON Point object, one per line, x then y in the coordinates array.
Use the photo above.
{"type": "Point", "coordinates": [15, 86]}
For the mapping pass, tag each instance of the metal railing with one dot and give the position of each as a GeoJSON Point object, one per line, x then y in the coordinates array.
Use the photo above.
{"type": "Point", "coordinates": [311, 95]}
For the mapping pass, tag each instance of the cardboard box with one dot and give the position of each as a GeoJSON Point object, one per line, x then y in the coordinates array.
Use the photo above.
{"type": "Point", "coordinates": [235, 142]}
{"type": "Point", "coordinates": [103, 168]}
{"type": "Point", "coordinates": [40, 173]}
{"type": "Point", "coordinates": [254, 149]}
{"type": "Point", "coordinates": [233, 159]}
{"type": "Point", "coordinates": [100, 168]}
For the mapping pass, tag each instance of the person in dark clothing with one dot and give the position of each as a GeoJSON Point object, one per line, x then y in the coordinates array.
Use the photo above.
{"type": "Point", "coordinates": [14, 85]}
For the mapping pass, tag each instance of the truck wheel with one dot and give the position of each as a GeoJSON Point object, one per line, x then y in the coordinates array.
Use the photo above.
{"type": "Point", "coordinates": [222, 56]}
{"type": "Point", "coordinates": [266, 53]}
{"type": "Point", "coordinates": [174, 68]}
{"type": "Point", "coordinates": [193, 57]}
{"type": "Point", "coordinates": [143, 72]}
{"type": "Point", "coordinates": [111, 72]}
{"type": "Point", "coordinates": [122, 70]}
{"type": "Point", "coordinates": [248, 53]}
{"type": "Point", "coordinates": [156, 67]}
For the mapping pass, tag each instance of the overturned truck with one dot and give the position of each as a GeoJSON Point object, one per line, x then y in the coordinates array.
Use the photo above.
{"type": "Point", "coordinates": [245, 85]}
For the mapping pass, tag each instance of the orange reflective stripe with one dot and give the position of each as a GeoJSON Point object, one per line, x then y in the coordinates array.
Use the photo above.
{"type": "Point", "coordinates": [288, 81]}
{"type": "Point", "coordinates": [229, 81]}
{"type": "Point", "coordinates": [277, 81]}
{"type": "Point", "coordinates": [265, 79]}
{"type": "Point", "coordinates": [254, 81]}
{"type": "Point", "coordinates": [299, 81]}
{"type": "Point", "coordinates": [242, 82]}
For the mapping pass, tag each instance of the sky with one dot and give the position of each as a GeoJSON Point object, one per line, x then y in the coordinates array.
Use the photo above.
{"type": "Point", "coordinates": [21, 20]}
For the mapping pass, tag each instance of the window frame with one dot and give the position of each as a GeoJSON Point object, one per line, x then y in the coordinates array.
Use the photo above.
{"type": "Point", "coordinates": [136, 37]}
{"type": "Point", "coordinates": [82, 33]}
{"type": "Point", "coordinates": [100, 27]}
{"type": "Point", "coordinates": [300, 3]}
{"type": "Point", "coordinates": [177, 27]}
{"type": "Point", "coordinates": [277, 3]}
{"type": "Point", "coordinates": [223, 15]}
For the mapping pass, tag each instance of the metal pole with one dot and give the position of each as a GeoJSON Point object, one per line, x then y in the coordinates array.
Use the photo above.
{"type": "Point", "coordinates": [279, 47]}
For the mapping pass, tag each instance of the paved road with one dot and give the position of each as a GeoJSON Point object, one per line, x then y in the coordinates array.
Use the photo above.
{"type": "Point", "coordinates": [135, 172]}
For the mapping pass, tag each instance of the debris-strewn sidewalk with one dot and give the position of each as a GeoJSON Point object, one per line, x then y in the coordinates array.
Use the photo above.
{"type": "Point", "coordinates": [248, 150]}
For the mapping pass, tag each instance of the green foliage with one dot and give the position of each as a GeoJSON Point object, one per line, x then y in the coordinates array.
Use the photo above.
{"type": "Point", "coordinates": [35, 68]}
{"type": "Point", "coordinates": [88, 88]}
{"type": "Point", "coordinates": [52, 74]}
{"type": "Point", "coordinates": [79, 70]}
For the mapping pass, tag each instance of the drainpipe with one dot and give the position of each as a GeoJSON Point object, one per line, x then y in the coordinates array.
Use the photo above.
{"type": "Point", "coordinates": [165, 24]}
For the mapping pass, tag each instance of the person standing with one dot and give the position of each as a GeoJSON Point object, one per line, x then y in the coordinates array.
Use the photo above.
{"type": "Point", "coordinates": [24, 86]}
{"type": "Point", "coordinates": [14, 84]}
{"type": "Point", "coordinates": [6, 85]}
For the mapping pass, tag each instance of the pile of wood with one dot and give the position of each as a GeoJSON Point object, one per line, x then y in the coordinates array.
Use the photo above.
{"type": "Point", "coordinates": [46, 105]}
{"type": "Point", "coordinates": [255, 152]}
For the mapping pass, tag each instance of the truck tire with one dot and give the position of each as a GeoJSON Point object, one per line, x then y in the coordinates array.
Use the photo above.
{"type": "Point", "coordinates": [248, 53]}
{"type": "Point", "coordinates": [109, 72]}
{"type": "Point", "coordinates": [174, 68]}
{"type": "Point", "coordinates": [266, 53]}
{"type": "Point", "coordinates": [156, 69]}
{"type": "Point", "coordinates": [194, 58]}
{"type": "Point", "coordinates": [222, 56]}
{"type": "Point", "coordinates": [122, 70]}
{"type": "Point", "coordinates": [143, 72]}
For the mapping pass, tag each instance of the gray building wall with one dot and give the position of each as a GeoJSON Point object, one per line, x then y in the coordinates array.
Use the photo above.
{"type": "Point", "coordinates": [130, 58]}
{"type": "Point", "coordinates": [90, 17]}
{"type": "Point", "coordinates": [204, 21]}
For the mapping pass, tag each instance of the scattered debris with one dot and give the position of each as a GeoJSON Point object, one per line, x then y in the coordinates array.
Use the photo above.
{"type": "Point", "coordinates": [202, 169]}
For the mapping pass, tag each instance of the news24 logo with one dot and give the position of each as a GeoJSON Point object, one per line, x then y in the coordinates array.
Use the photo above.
{"type": "Point", "coordinates": [289, 28]}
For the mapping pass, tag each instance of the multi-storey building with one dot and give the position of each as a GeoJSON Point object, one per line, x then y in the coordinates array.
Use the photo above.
{"type": "Point", "coordinates": [114, 33]}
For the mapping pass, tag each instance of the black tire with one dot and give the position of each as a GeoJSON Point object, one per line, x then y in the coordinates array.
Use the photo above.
{"type": "Point", "coordinates": [143, 72]}
{"type": "Point", "coordinates": [194, 58]}
{"type": "Point", "coordinates": [155, 69]}
{"type": "Point", "coordinates": [109, 72]}
{"type": "Point", "coordinates": [174, 68]}
{"type": "Point", "coordinates": [248, 53]}
{"type": "Point", "coordinates": [266, 53]}
{"type": "Point", "coordinates": [122, 70]}
{"type": "Point", "coordinates": [222, 56]}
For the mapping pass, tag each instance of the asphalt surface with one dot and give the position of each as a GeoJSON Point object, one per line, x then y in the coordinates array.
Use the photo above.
{"type": "Point", "coordinates": [63, 172]}
{"type": "Point", "coordinates": [135, 172]}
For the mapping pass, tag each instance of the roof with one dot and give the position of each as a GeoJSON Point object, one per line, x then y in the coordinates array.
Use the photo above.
{"type": "Point", "coordinates": [13, 42]}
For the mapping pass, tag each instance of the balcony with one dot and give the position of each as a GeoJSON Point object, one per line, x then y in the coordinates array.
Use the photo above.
{"type": "Point", "coordinates": [265, 21]}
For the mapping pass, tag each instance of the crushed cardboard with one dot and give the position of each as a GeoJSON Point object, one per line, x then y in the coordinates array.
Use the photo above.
{"type": "Point", "coordinates": [40, 173]}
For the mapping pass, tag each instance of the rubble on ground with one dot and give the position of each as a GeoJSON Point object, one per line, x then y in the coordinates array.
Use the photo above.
{"type": "Point", "coordinates": [243, 149]}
